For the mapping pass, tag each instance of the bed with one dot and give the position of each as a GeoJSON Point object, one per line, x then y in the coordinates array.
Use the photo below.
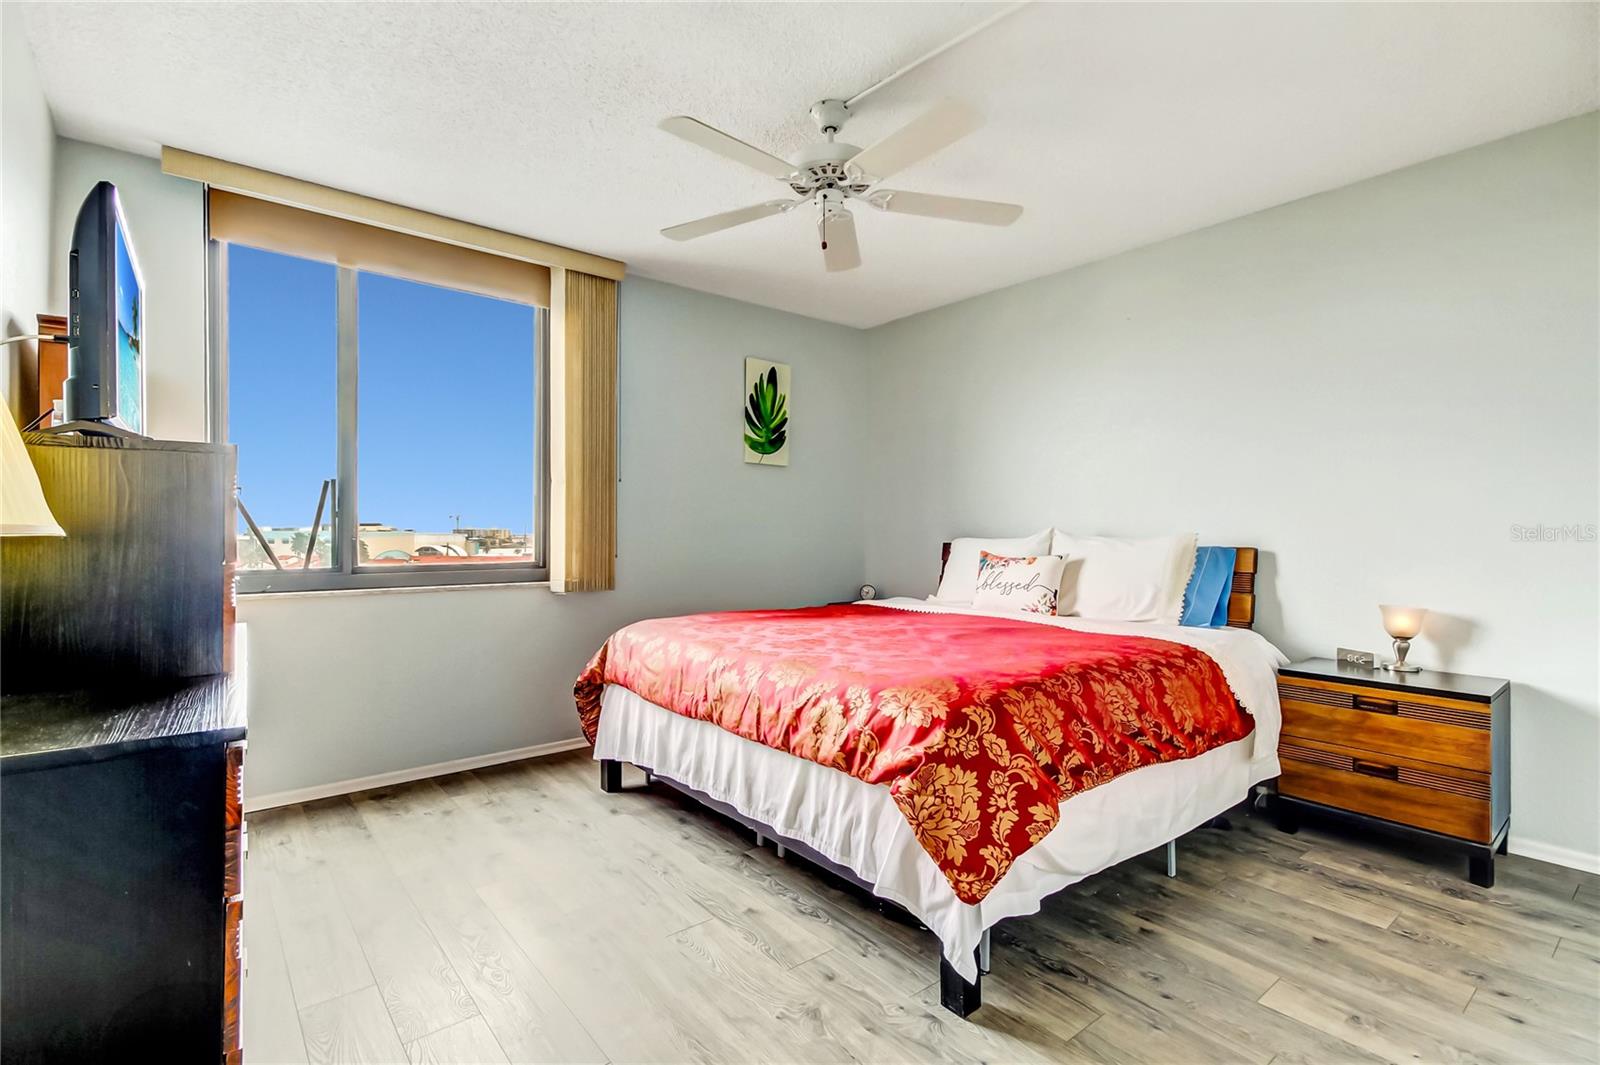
{"type": "Point", "coordinates": [852, 824]}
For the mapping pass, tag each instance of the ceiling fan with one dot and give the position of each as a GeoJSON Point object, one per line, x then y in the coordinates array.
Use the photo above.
{"type": "Point", "coordinates": [832, 173]}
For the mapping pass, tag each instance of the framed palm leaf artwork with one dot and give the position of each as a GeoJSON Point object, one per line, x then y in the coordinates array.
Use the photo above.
{"type": "Point", "coordinates": [766, 412]}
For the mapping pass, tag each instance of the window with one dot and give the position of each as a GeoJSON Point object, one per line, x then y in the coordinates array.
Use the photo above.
{"type": "Point", "coordinates": [446, 417]}
{"type": "Point", "coordinates": [391, 431]}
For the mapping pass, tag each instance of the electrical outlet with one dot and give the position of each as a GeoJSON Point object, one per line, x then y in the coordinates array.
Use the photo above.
{"type": "Point", "coordinates": [1356, 658]}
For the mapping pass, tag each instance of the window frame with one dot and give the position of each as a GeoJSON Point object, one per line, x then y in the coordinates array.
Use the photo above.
{"type": "Point", "coordinates": [346, 573]}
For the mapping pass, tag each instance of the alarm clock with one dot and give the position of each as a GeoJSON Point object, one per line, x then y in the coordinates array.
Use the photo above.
{"type": "Point", "coordinates": [869, 592]}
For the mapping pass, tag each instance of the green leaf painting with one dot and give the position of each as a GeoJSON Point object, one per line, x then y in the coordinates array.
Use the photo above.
{"type": "Point", "coordinates": [766, 416]}
{"type": "Point", "coordinates": [766, 412]}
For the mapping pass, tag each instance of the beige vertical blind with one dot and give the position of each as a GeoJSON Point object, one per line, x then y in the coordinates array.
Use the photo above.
{"type": "Point", "coordinates": [586, 477]}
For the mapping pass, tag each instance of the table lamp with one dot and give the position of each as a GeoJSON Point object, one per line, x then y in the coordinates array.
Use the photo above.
{"type": "Point", "coordinates": [1402, 623]}
{"type": "Point", "coordinates": [23, 511]}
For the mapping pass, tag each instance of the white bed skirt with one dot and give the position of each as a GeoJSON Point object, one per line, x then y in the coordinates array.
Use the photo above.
{"type": "Point", "coordinates": [857, 824]}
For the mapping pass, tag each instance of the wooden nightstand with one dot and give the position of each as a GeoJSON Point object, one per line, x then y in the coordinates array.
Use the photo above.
{"type": "Point", "coordinates": [1428, 752]}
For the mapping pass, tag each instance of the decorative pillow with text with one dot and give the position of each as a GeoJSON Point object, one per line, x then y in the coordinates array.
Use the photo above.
{"type": "Point", "coordinates": [1027, 584]}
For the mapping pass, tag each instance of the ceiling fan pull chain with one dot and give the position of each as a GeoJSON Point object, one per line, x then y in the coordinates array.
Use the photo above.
{"type": "Point", "coordinates": [824, 225]}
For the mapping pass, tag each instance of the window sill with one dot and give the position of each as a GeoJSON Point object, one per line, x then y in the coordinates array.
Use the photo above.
{"type": "Point", "coordinates": [323, 593]}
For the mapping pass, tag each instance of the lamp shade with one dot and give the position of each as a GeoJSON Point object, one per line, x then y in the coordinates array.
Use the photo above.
{"type": "Point", "coordinates": [23, 511]}
{"type": "Point", "coordinates": [1402, 622]}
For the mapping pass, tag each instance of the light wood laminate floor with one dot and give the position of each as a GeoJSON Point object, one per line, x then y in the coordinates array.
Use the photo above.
{"type": "Point", "coordinates": [518, 913]}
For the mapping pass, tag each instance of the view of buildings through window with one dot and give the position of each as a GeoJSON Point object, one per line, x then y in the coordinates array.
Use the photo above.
{"type": "Point", "coordinates": [444, 435]}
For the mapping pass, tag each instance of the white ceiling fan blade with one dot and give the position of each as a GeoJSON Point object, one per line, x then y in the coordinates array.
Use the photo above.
{"type": "Point", "coordinates": [839, 248]}
{"type": "Point", "coordinates": [714, 140]}
{"type": "Point", "coordinates": [943, 125]}
{"type": "Point", "coordinates": [726, 220]}
{"type": "Point", "coordinates": [955, 208]}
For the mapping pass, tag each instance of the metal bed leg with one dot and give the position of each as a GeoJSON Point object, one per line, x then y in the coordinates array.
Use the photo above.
{"type": "Point", "coordinates": [779, 850]}
{"type": "Point", "coordinates": [985, 948]}
{"type": "Point", "coordinates": [610, 775]}
{"type": "Point", "coordinates": [761, 841]}
{"type": "Point", "coordinates": [1172, 858]}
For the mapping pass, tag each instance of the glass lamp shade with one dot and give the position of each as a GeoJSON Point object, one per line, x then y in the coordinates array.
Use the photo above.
{"type": "Point", "coordinates": [23, 511]}
{"type": "Point", "coordinates": [1402, 622]}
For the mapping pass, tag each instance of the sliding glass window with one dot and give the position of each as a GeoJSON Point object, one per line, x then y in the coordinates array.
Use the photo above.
{"type": "Point", "coordinates": [391, 432]}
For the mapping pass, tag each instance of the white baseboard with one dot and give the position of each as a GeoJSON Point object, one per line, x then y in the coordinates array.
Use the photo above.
{"type": "Point", "coordinates": [1547, 852]}
{"type": "Point", "coordinates": [253, 803]}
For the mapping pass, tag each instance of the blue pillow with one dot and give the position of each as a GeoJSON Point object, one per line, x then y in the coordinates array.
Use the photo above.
{"type": "Point", "coordinates": [1205, 601]}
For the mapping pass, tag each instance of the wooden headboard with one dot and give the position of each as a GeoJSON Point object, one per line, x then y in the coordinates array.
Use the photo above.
{"type": "Point", "coordinates": [1241, 603]}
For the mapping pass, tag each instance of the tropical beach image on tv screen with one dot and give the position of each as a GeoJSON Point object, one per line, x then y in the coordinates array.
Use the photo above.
{"type": "Point", "coordinates": [130, 321]}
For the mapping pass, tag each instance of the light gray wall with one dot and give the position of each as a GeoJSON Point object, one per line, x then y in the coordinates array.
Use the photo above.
{"type": "Point", "coordinates": [1374, 385]}
{"type": "Point", "coordinates": [166, 219]}
{"type": "Point", "coordinates": [350, 685]}
{"type": "Point", "coordinates": [27, 161]}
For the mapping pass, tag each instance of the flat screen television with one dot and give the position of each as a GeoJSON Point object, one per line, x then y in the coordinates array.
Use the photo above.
{"type": "Point", "coordinates": [105, 352]}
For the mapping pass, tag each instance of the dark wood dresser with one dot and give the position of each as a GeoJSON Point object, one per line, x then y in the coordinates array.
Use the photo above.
{"type": "Point", "coordinates": [142, 584]}
{"type": "Point", "coordinates": [121, 863]}
{"type": "Point", "coordinates": [1426, 752]}
{"type": "Point", "coordinates": [122, 729]}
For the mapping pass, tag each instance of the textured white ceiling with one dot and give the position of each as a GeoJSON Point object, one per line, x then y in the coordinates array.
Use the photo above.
{"type": "Point", "coordinates": [1115, 125]}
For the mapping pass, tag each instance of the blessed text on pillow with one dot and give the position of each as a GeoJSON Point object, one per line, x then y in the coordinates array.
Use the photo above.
{"type": "Point", "coordinates": [1028, 584]}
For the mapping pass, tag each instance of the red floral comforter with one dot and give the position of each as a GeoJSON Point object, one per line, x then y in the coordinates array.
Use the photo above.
{"type": "Point", "coordinates": [979, 726]}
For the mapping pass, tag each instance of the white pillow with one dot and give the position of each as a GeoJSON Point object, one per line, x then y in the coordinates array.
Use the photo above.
{"type": "Point", "coordinates": [1029, 584]}
{"type": "Point", "coordinates": [1124, 580]}
{"type": "Point", "coordinates": [960, 579]}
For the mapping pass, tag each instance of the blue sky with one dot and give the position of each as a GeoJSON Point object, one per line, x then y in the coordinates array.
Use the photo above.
{"type": "Point", "coordinates": [445, 396]}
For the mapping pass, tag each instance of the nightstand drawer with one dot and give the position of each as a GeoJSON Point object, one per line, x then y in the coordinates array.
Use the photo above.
{"type": "Point", "coordinates": [1441, 731]}
{"type": "Point", "coordinates": [1451, 801]}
